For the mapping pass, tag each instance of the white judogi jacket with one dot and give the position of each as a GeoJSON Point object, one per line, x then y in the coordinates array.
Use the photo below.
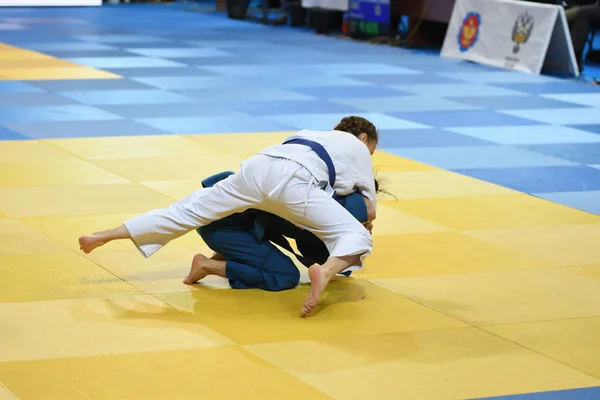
{"type": "Point", "coordinates": [286, 180]}
{"type": "Point", "coordinates": [350, 156]}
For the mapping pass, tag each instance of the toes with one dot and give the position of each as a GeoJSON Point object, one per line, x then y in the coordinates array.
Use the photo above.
{"type": "Point", "coordinates": [307, 306]}
{"type": "Point", "coordinates": [305, 310]}
{"type": "Point", "coordinates": [195, 274]}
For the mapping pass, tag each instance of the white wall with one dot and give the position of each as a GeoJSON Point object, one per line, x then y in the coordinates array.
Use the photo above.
{"type": "Point", "coordinates": [49, 3]}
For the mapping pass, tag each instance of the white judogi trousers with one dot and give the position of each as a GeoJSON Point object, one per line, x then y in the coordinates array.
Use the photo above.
{"type": "Point", "coordinates": [279, 186]}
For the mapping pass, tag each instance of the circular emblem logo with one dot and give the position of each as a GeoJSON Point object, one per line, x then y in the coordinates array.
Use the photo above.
{"type": "Point", "coordinates": [469, 31]}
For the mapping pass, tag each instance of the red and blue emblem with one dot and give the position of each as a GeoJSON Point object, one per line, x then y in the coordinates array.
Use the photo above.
{"type": "Point", "coordinates": [469, 31]}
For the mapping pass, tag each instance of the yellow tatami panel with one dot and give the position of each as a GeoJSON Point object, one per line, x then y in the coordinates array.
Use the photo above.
{"type": "Point", "coordinates": [36, 277]}
{"type": "Point", "coordinates": [21, 64]}
{"type": "Point", "coordinates": [504, 297]}
{"type": "Point", "coordinates": [167, 168]}
{"type": "Point", "coordinates": [86, 327]}
{"type": "Point", "coordinates": [30, 151]}
{"type": "Point", "coordinates": [351, 307]}
{"type": "Point", "coordinates": [571, 341]}
{"type": "Point", "coordinates": [5, 394]}
{"type": "Point", "coordinates": [79, 200]}
{"type": "Point", "coordinates": [440, 364]}
{"type": "Point", "coordinates": [130, 147]}
{"type": "Point", "coordinates": [593, 271]}
{"type": "Point", "coordinates": [437, 184]}
{"type": "Point", "coordinates": [242, 144]}
{"type": "Point", "coordinates": [18, 238]}
{"type": "Point", "coordinates": [67, 229]}
{"type": "Point", "coordinates": [386, 162]}
{"type": "Point", "coordinates": [223, 372]}
{"type": "Point", "coordinates": [56, 173]}
{"type": "Point", "coordinates": [439, 253]}
{"type": "Point", "coordinates": [162, 273]}
{"type": "Point", "coordinates": [8, 52]}
{"type": "Point", "coordinates": [56, 73]}
{"type": "Point", "coordinates": [392, 222]}
{"type": "Point", "coordinates": [558, 245]}
{"type": "Point", "coordinates": [176, 189]}
{"type": "Point", "coordinates": [495, 212]}
{"type": "Point", "coordinates": [46, 63]}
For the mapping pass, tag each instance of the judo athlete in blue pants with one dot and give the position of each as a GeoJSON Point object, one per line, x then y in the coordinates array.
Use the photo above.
{"type": "Point", "coordinates": [246, 255]}
{"type": "Point", "coordinates": [296, 180]}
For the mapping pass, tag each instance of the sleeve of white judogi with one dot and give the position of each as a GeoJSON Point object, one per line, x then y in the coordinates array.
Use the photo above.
{"type": "Point", "coordinates": [153, 230]}
{"type": "Point", "coordinates": [362, 168]}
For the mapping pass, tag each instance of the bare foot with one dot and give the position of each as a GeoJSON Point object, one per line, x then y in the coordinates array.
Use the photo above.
{"type": "Point", "coordinates": [88, 243]}
{"type": "Point", "coordinates": [198, 271]}
{"type": "Point", "coordinates": [318, 282]}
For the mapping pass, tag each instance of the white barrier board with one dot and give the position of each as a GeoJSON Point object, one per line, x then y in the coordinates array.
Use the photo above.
{"type": "Point", "coordinates": [520, 35]}
{"type": "Point", "coordinates": [49, 3]}
{"type": "Point", "coordinates": [337, 5]}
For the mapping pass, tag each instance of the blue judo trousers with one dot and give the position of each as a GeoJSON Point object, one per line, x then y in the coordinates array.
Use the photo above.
{"type": "Point", "coordinates": [246, 241]}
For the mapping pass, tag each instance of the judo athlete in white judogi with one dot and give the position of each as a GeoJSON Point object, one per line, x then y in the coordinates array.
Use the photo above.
{"type": "Point", "coordinates": [296, 181]}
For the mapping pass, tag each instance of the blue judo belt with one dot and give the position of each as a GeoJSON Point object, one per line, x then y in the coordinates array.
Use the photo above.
{"type": "Point", "coordinates": [321, 152]}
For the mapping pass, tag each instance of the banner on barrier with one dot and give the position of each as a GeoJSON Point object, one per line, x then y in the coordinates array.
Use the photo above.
{"type": "Point", "coordinates": [49, 3]}
{"type": "Point", "coordinates": [519, 35]}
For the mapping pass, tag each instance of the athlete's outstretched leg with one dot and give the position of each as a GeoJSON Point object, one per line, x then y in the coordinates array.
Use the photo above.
{"type": "Point", "coordinates": [88, 243]}
{"type": "Point", "coordinates": [153, 230]}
